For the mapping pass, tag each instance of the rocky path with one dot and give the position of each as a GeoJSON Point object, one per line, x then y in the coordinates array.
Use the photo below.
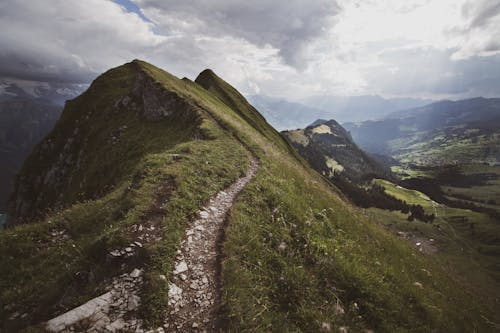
{"type": "Point", "coordinates": [193, 289]}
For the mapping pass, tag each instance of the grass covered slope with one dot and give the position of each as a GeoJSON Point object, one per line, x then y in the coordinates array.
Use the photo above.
{"type": "Point", "coordinates": [165, 168]}
{"type": "Point", "coordinates": [329, 149]}
{"type": "Point", "coordinates": [296, 257]}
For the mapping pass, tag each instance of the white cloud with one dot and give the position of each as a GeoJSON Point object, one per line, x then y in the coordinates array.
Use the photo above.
{"type": "Point", "coordinates": [284, 48]}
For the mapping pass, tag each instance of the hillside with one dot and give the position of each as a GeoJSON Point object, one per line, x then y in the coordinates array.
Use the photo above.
{"type": "Point", "coordinates": [24, 121]}
{"type": "Point", "coordinates": [116, 200]}
{"type": "Point", "coordinates": [330, 150]}
{"type": "Point", "coordinates": [440, 133]}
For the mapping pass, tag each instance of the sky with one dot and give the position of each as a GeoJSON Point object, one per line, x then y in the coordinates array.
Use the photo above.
{"type": "Point", "coordinates": [286, 48]}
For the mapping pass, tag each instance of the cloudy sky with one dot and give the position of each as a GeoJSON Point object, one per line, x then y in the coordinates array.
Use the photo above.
{"type": "Point", "coordinates": [286, 48]}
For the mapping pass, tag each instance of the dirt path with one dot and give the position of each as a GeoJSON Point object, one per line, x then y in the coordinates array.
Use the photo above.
{"type": "Point", "coordinates": [193, 295]}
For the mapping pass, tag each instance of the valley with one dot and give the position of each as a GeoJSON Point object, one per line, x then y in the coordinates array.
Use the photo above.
{"type": "Point", "coordinates": [442, 191]}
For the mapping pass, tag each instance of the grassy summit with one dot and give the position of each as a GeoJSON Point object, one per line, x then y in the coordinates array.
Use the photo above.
{"type": "Point", "coordinates": [296, 256]}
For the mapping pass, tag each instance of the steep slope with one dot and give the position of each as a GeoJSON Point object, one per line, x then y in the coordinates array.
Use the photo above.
{"type": "Point", "coordinates": [329, 149]}
{"type": "Point", "coordinates": [24, 121]}
{"type": "Point", "coordinates": [439, 133]}
{"type": "Point", "coordinates": [295, 256]}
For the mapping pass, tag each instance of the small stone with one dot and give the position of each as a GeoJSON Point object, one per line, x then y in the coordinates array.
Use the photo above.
{"type": "Point", "coordinates": [139, 244]}
{"type": "Point", "coordinates": [282, 246]}
{"type": "Point", "coordinates": [183, 277]}
{"type": "Point", "coordinates": [136, 273]}
{"type": "Point", "coordinates": [326, 327]}
{"type": "Point", "coordinates": [200, 228]}
{"type": "Point", "coordinates": [173, 291]}
{"type": "Point", "coordinates": [195, 325]}
{"type": "Point", "coordinates": [128, 249]}
{"type": "Point", "coordinates": [343, 329]}
{"type": "Point", "coordinates": [204, 214]}
{"type": "Point", "coordinates": [117, 325]}
{"type": "Point", "coordinates": [180, 267]}
{"type": "Point", "coordinates": [133, 302]}
{"type": "Point", "coordinates": [162, 277]}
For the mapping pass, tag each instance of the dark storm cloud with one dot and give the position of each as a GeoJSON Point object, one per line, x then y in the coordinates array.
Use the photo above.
{"type": "Point", "coordinates": [286, 25]}
{"type": "Point", "coordinates": [68, 41]}
{"type": "Point", "coordinates": [481, 12]}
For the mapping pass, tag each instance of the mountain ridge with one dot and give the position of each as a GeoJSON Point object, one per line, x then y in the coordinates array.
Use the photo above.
{"type": "Point", "coordinates": [291, 242]}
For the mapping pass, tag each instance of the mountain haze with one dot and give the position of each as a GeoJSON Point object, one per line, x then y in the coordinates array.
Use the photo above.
{"type": "Point", "coordinates": [24, 121]}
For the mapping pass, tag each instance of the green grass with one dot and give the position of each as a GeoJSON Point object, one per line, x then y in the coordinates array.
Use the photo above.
{"type": "Point", "coordinates": [335, 254]}
{"type": "Point", "coordinates": [446, 146]}
{"type": "Point", "coordinates": [468, 253]}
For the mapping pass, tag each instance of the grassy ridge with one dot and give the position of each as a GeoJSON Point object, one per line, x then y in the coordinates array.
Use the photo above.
{"type": "Point", "coordinates": [148, 155]}
{"type": "Point", "coordinates": [296, 255]}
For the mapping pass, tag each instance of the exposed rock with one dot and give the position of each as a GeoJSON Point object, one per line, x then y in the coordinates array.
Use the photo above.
{"type": "Point", "coordinates": [193, 295]}
{"type": "Point", "coordinates": [113, 311]}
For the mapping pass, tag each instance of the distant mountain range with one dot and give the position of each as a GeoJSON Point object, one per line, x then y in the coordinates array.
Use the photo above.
{"type": "Point", "coordinates": [24, 121]}
{"type": "Point", "coordinates": [284, 114]}
{"type": "Point", "coordinates": [55, 93]}
{"type": "Point", "coordinates": [442, 132]}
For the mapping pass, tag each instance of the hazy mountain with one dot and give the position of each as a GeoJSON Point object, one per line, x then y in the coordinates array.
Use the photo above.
{"type": "Point", "coordinates": [442, 132]}
{"type": "Point", "coordinates": [24, 121]}
{"type": "Point", "coordinates": [55, 93]}
{"type": "Point", "coordinates": [121, 194]}
{"type": "Point", "coordinates": [361, 108]}
{"type": "Point", "coordinates": [283, 114]}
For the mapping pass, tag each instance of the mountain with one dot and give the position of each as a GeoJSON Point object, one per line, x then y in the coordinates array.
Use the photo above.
{"type": "Point", "coordinates": [361, 108]}
{"type": "Point", "coordinates": [330, 150]}
{"type": "Point", "coordinates": [440, 133]}
{"type": "Point", "coordinates": [283, 114]}
{"type": "Point", "coordinates": [55, 93]}
{"type": "Point", "coordinates": [24, 121]}
{"type": "Point", "coordinates": [164, 203]}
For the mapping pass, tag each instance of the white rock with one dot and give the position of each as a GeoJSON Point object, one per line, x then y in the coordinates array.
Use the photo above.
{"type": "Point", "coordinates": [204, 214]}
{"type": "Point", "coordinates": [84, 311]}
{"type": "Point", "coordinates": [115, 253]}
{"type": "Point", "coordinates": [200, 228]}
{"type": "Point", "coordinates": [174, 291]}
{"type": "Point", "coordinates": [136, 273]}
{"type": "Point", "coordinates": [117, 325]}
{"type": "Point", "coordinates": [181, 267]}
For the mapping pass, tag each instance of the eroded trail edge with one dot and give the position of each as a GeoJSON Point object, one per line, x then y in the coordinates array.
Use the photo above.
{"type": "Point", "coordinates": [193, 296]}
